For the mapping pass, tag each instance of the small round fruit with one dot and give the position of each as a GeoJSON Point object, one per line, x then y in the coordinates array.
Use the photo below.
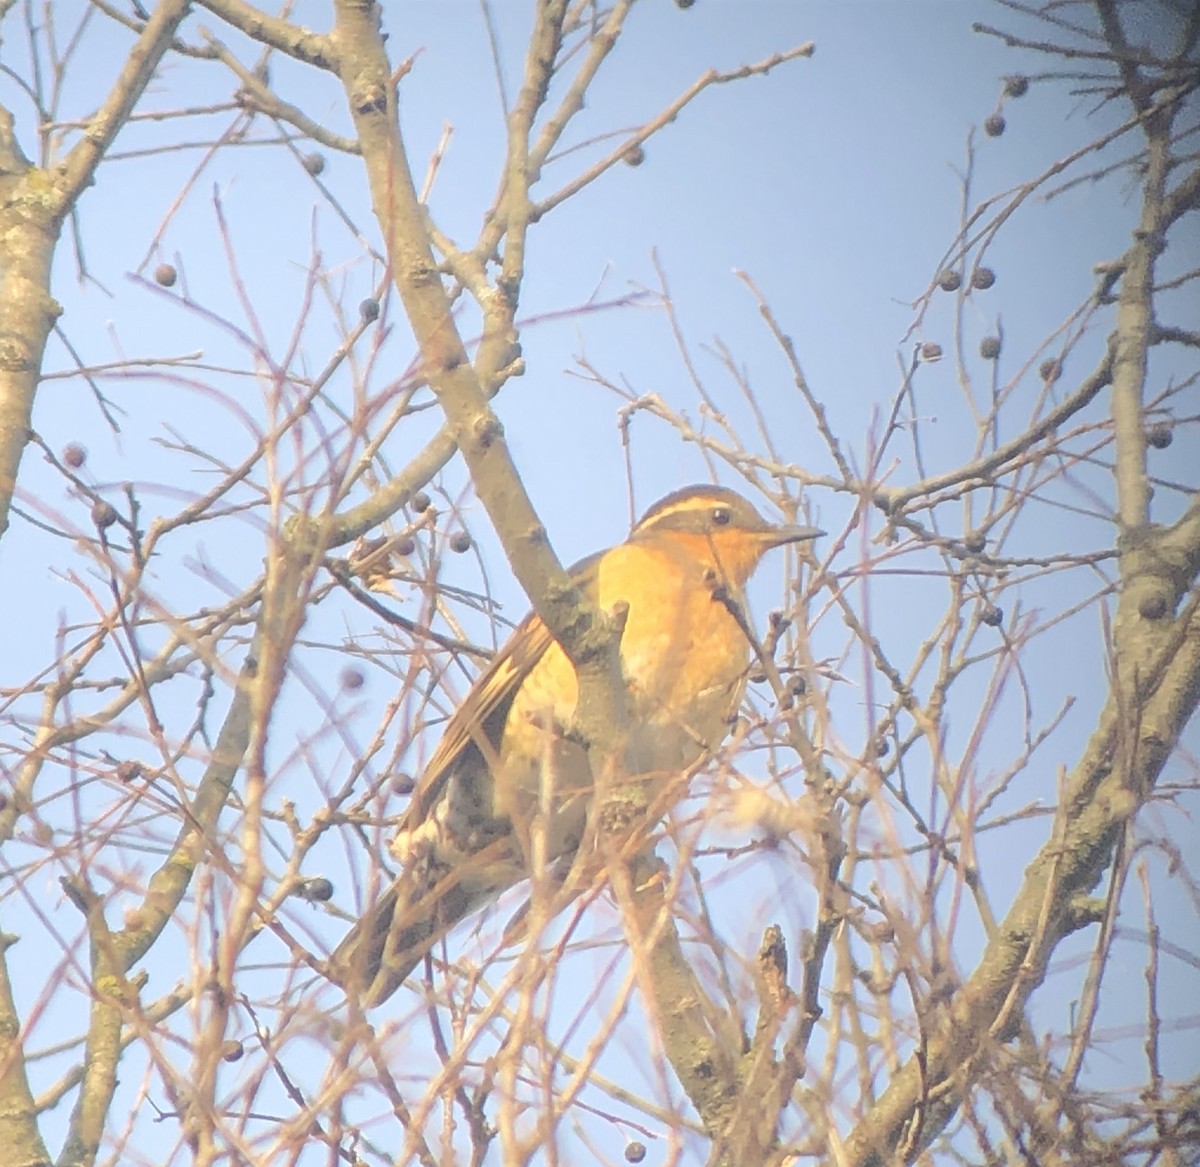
{"type": "Point", "coordinates": [949, 280]}
{"type": "Point", "coordinates": [103, 514]}
{"type": "Point", "coordinates": [989, 348]}
{"type": "Point", "coordinates": [991, 615]}
{"type": "Point", "coordinates": [1159, 435]}
{"type": "Point", "coordinates": [460, 542]}
{"type": "Point", "coordinates": [317, 890]}
{"type": "Point", "coordinates": [1153, 607]}
{"type": "Point", "coordinates": [166, 275]}
{"type": "Point", "coordinates": [994, 125]}
{"type": "Point", "coordinates": [983, 278]}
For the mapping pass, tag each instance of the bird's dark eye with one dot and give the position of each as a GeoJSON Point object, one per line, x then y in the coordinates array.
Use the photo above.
{"type": "Point", "coordinates": [721, 516]}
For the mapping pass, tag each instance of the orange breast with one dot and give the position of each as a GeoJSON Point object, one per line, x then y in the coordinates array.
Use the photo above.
{"type": "Point", "coordinates": [684, 658]}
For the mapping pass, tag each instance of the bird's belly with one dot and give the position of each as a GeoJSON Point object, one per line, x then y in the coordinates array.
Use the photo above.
{"type": "Point", "coordinates": [682, 697]}
{"type": "Point", "coordinates": [683, 657]}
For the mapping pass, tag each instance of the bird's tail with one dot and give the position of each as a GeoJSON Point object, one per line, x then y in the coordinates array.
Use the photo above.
{"type": "Point", "coordinates": [419, 907]}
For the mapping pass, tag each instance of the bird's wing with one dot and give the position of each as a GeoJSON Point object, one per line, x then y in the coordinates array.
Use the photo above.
{"type": "Point", "coordinates": [478, 723]}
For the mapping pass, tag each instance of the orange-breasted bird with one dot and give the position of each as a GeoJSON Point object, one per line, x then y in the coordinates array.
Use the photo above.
{"type": "Point", "coordinates": [507, 754]}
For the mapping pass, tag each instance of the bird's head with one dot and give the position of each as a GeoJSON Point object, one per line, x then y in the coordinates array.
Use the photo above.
{"type": "Point", "coordinates": [718, 527]}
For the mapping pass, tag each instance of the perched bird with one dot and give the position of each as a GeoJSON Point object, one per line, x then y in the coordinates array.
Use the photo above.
{"type": "Point", "coordinates": [508, 757]}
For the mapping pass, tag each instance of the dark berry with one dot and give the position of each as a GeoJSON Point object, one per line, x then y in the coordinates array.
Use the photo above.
{"type": "Point", "coordinates": [352, 678]}
{"type": "Point", "coordinates": [989, 348]}
{"type": "Point", "coordinates": [420, 502]}
{"type": "Point", "coordinates": [1159, 435]}
{"type": "Point", "coordinates": [369, 309]}
{"type": "Point", "coordinates": [634, 156]}
{"type": "Point", "coordinates": [1050, 370]}
{"type": "Point", "coordinates": [103, 514]}
{"type": "Point", "coordinates": [983, 278]}
{"type": "Point", "coordinates": [166, 275]}
{"type": "Point", "coordinates": [991, 615]}
{"type": "Point", "coordinates": [1016, 85]}
{"type": "Point", "coordinates": [314, 163]}
{"type": "Point", "coordinates": [994, 125]}
{"type": "Point", "coordinates": [1153, 607]}
{"type": "Point", "coordinates": [74, 455]}
{"type": "Point", "coordinates": [316, 890]}
{"type": "Point", "coordinates": [931, 351]}
{"type": "Point", "coordinates": [949, 280]}
{"type": "Point", "coordinates": [975, 542]}
{"type": "Point", "coordinates": [460, 541]}
{"type": "Point", "coordinates": [635, 1152]}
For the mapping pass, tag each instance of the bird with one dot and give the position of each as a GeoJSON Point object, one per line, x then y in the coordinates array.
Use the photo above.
{"type": "Point", "coordinates": [507, 755]}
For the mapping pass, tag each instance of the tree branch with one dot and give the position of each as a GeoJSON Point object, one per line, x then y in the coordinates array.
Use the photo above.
{"type": "Point", "coordinates": [309, 47]}
{"type": "Point", "coordinates": [473, 425]}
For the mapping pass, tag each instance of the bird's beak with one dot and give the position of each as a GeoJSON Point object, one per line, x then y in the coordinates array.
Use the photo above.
{"type": "Point", "coordinates": [778, 536]}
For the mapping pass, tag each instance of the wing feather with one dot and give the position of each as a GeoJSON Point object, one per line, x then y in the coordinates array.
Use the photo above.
{"type": "Point", "coordinates": [477, 725]}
